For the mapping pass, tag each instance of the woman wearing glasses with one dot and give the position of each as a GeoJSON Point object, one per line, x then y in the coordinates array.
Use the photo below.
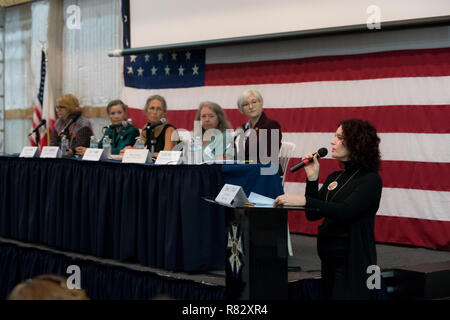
{"type": "Point", "coordinates": [250, 103]}
{"type": "Point", "coordinates": [70, 124]}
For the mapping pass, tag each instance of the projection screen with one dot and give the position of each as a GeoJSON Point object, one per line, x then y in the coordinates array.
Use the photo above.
{"type": "Point", "coordinates": [170, 22]}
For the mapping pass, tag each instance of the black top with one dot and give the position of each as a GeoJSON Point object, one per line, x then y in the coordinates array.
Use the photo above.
{"type": "Point", "coordinates": [160, 140]}
{"type": "Point", "coordinates": [348, 228]}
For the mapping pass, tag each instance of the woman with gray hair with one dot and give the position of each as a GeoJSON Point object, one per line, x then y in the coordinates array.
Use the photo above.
{"type": "Point", "coordinates": [217, 143]}
{"type": "Point", "coordinates": [157, 133]}
{"type": "Point", "coordinates": [250, 103]}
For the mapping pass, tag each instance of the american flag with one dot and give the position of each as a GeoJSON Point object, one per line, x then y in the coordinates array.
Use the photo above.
{"type": "Point", "coordinates": [165, 70]}
{"type": "Point", "coordinates": [403, 92]}
{"type": "Point", "coordinates": [38, 109]}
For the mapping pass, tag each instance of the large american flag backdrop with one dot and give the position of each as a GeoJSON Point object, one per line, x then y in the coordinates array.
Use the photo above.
{"type": "Point", "coordinates": [404, 93]}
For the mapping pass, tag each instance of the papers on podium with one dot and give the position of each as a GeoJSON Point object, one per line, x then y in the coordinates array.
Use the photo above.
{"type": "Point", "coordinates": [234, 196]}
{"type": "Point", "coordinates": [260, 201]}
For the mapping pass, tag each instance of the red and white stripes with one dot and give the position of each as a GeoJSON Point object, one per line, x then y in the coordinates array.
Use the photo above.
{"type": "Point", "coordinates": [404, 93]}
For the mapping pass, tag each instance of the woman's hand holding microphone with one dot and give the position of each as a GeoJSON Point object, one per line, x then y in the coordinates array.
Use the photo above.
{"type": "Point", "coordinates": [312, 174]}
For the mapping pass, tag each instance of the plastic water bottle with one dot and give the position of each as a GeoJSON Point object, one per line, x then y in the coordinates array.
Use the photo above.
{"type": "Point", "coordinates": [94, 143]}
{"type": "Point", "coordinates": [197, 150]}
{"type": "Point", "coordinates": [64, 146]}
{"type": "Point", "coordinates": [140, 143]}
{"type": "Point", "coordinates": [190, 152]}
{"type": "Point", "coordinates": [107, 146]}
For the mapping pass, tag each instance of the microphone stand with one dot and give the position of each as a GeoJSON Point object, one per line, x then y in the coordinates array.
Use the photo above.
{"type": "Point", "coordinates": [152, 142]}
{"type": "Point", "coordinates": [38, 138]}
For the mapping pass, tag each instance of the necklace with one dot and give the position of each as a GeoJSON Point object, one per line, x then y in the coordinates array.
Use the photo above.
{"type": "Point", "coordinates": [333, 185]}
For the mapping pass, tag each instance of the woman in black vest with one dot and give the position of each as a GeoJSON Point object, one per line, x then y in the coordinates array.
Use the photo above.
{"type": "Point", "coordinates": [157, 134]}
{"type": "Point", "coordinates": [348, 200]}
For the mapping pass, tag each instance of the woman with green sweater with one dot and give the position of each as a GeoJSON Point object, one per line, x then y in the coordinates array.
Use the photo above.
{"type": "Point", "coordinates": [121, 133]}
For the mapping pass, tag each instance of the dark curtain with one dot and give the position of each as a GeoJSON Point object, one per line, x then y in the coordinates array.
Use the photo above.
{"type": "Point", "coordinates": [153, 215]}
{"type": "Point", "coordinates": [100, 281]}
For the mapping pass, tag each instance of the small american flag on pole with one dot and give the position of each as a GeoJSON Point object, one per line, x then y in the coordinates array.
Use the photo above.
{"type": "Point", "coordinates": [37, 110]}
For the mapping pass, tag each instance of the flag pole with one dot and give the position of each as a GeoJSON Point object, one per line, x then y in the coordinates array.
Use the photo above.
{"type": "Point", "coordinates": [44, 51]}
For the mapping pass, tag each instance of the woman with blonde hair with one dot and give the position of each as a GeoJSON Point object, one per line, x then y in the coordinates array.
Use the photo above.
{"type": "Point", "coordinates": [46, 287]}
{"type": "Point", "coordinates": [121, 133]}
{"type": "Point", "coordinates": [70, 123]}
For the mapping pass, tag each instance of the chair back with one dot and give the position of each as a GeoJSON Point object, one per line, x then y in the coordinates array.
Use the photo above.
{"type": "Point", "coordinates": [286, 152]}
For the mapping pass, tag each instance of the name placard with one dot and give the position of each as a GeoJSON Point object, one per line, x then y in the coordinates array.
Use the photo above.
{"type": "Point", "coordinates": [169, 157]}
{"type": "Point", "coordinates": [231, 196]}
{"type": "Point", "coordinates": [51, 152]}
{"type": "Point", "coordinates": [30, 152]}
{"type": "Point", "coordinates": [136, 156]}
{"type": "Point", "coordinates": [94, 154]}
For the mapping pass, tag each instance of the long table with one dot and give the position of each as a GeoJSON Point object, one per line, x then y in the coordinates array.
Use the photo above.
{"type": "Point", "coordinates": [149, 214]}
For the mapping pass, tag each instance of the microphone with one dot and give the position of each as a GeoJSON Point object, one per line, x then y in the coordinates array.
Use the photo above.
{"type": "Point", "coordinates": [42, 123]}
{"type": "Point", "coordinates": [66, 128]}
{"type": "Point", "coordinates": [114, 126]}
{"type": "Point", "coordinates": [322, 152]}
{"type": "Point", "coordinates": [178, 147]}
{"type": "Point", "coordinates": [162, 121]}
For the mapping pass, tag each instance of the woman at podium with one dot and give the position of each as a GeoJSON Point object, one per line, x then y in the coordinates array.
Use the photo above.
{"type": "Point", "coordinates": [70, 125]}
{"type": "Point", "coordinates": [120, 132]}
{"type": "Point", "coordinates": [217, 144]}
{"type": "Point", "coordinates": [348, 202]}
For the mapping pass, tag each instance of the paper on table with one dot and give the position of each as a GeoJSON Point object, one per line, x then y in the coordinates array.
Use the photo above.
{"type": "Point", "coordinates": [260, 200]}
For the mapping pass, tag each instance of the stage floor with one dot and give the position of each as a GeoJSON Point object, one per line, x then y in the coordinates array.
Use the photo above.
{"type": "Point", "coordinates": [305, 256]}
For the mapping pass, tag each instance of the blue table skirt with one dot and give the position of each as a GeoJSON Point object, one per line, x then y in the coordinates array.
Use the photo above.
{"type": "Point", "coordinates": [153, 215]}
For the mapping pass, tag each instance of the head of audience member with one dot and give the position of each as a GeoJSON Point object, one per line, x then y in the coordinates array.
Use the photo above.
{"type": "Point", "coordinates": [212, 116]}
{"type": "Point", "coordinates": [117, 112]}
{"type": "Point", "coordinates": [357, 141]}
{"type": "Point", "coordinates": [250, 103]}
{"type": "Point", "coordinates": [46, 287]}
{"type": "Point", "coordinates": [68, 107]}
{"type": "Point", "coordinates": [155, 108]}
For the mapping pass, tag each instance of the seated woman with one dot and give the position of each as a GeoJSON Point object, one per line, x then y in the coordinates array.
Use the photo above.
{"type": "Point", "coordinates": [120, 132]}
{"type": "Point", "coordinates": [217, 144]}
{"type": "Point", "coordinates": [71, 124]}
{"type": "Point", "coordinates": [250, 103]}
{"type": "Point", "coordinates": [155, 134]}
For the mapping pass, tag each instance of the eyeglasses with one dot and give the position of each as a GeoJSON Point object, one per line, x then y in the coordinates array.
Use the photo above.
{"type": "Point", "coordinates": [208, 116]}
{"type": "Point", "coordinates": [248, 103]}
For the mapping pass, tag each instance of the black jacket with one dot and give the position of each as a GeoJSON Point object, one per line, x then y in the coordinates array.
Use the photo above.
{"type": "Point", "coordinates": [348, 227]}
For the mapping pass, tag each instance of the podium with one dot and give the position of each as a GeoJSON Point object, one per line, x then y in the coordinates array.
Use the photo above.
{"type": "Point", "coordinates": [256, 257]}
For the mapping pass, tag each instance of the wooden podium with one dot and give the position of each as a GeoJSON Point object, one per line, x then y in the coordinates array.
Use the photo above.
{"type": "Point", "coordinates": [256, 264]}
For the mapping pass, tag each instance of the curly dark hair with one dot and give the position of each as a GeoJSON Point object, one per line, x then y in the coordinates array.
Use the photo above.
{"type": "Point", "coordinates": [362, 141]}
